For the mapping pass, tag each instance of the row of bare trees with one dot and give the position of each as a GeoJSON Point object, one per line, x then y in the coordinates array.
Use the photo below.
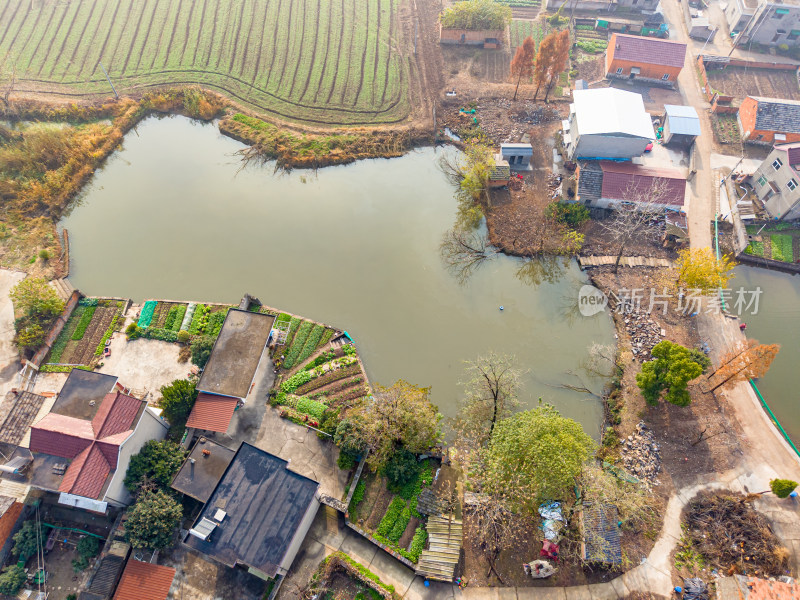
{"type": "Point", "coordinates": [544, 65]}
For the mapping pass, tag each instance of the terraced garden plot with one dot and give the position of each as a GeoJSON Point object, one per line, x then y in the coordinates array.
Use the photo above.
{"type": "Point", "coordinates": [81, 351]}
{"type": "Point", "coordinates": [326, 62]}
{"type": "Point", "coordinates": [522, 28]}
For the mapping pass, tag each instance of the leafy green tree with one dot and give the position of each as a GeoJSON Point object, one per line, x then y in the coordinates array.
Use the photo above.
{"type": "Point", "coordinates": [534, 455]}
{"type": "Point", "coordinates": [28, 540]}
{"type": "Point", "coordinates": [782, 487]}
{"type": "Point", "coordinates": [34, 297]}
{"type": "Point", "coordinates": [30, 335]}
{"type": "Point", "coordinates": [37, 305]}
{"type": "Point", "coordinates": [88, 547]}
{"type": "Point", "coordinates": [201, 350]}
{"type": "Point", "coordinates": [669, 373]}
{"type": "Point", "coordinates": [11, 580]}
{"type": "Point", "coordinates": [152, 520]}
{"type": "Point", "coordinates": [157, 461]}
{"type": "Point", "coordinates": [400, 416]}
{"type": "Point", "coordinates": [177, 400]}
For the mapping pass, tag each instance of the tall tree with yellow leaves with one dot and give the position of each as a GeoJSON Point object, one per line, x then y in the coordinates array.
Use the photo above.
{"type": "Point", "coordinates": [698, 268]}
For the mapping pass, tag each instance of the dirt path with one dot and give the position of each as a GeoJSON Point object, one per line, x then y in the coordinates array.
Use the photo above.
{"type": "Point", "coordinates": [9, 358]}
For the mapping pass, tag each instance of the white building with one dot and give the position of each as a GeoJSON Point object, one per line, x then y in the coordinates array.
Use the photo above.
{"type": "Point", "coordinates": [607, 123]}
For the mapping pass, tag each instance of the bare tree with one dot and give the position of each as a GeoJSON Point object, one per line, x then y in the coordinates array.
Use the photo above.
{"type": "Point", "coordinates": [636, 216]}
{"type": "Point", "coordinates": [495, 526]}
{"type": "Point", "coordinates": [8, 79]}
{"type": "Point", "coordinates": [464, 251]}
{"type": "Point", "coordinates": [490, 395]}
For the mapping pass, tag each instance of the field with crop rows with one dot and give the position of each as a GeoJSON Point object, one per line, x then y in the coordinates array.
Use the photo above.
{"type": "Point", "coordinates": [326, 62]}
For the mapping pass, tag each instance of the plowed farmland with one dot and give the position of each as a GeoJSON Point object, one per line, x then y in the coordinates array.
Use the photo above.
{"type": "Point", "coordinates": [326, 62]}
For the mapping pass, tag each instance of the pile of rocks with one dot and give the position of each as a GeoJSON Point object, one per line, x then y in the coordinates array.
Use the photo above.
{"type": "Point", "coordinates": [643, 331]}
{"type": "Point", "coordinates": [641, 455]}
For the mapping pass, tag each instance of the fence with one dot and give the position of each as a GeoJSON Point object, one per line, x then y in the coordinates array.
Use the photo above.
{"type": "Point", "coordinates": [773, 418]}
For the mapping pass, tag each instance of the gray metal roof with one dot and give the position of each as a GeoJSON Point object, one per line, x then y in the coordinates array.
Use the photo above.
{"type": "Point", "coordinates": [683, 120]}
{"type": "Point", "coordinates": [264, 503]}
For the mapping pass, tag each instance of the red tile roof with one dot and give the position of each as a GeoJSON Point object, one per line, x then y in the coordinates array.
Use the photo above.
{"type": "Point", "coordinates": [212, 413]}
{"type": "Point", "coordinates": [144, 581]}
{"type": "Point", "coordinates": [93, 445]}
{"type": "Point", "coordinates": [89, 476]}
{"type": "Point", "coordinates": [118, 417]}
{"type": "Point", "coordinates": [649, 50]}
{"type": "Point", "coordinates": [619, 179]}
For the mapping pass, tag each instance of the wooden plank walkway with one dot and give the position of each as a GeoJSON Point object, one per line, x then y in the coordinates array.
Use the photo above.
{"type": "Point", "coordinates": [444, 548]}
{"type": "Point", "coordinates": [626, 261]}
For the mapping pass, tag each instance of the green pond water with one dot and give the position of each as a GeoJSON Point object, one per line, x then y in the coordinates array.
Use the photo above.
{"type": "Point", "coordinates": [777, 322]}
{"type": "Point", "coordinates": [171, 215]}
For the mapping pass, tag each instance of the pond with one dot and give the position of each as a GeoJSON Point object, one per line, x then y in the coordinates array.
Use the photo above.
{"type": "Point", "coordinates": [172, 215]}
{"type": "Point", "coordinates": [777, 322]}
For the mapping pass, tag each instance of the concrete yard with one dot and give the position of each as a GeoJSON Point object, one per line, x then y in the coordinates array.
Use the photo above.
{"type": "Point", "coordinates": [144, 365]}
{"type": "Point", "coordinates": [9, 358]}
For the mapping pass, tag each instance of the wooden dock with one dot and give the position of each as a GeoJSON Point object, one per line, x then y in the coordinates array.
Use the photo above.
{"type": "Point", "coordinates": [626, 261]}
{"type": "Point", "coordinates": [444, 540]}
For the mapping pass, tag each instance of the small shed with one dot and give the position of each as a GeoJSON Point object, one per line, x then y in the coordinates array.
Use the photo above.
{"type": "Point", "coordinates": [517, 155]}
{"type": "Point", "coordinates": [601, 537]}
{"type": "Point", "coordinates": [500, 174]}
{"type": "Point", "coordinates": [681, 125]}
{"type": "Point", "coordinates": [700, 28]}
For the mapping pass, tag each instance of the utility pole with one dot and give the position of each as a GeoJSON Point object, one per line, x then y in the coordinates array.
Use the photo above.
{"type": "Point", "coordinates": [109, 80]}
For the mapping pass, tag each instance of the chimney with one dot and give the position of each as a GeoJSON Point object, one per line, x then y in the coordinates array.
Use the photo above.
{"type": "Point", "coordinates": [191, 468]}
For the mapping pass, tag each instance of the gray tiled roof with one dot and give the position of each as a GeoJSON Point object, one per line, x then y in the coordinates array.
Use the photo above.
{"type": "Point", "coordinates": [777, 115]}
{"type": "Point", "coordinates": [20, 410]}
{"type": "Point", "coordinates": [590, 183]}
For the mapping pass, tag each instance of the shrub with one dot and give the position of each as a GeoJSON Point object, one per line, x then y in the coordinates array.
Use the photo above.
{"type": "Point", "coordinates": [153, 520]}
{"type": "Point", "coordinates": [44, 254]}
{"type": "Point", "coordinates": [346, 460]}
{"type": "Point", "coordinates": [201, 350]}
{"type": "Point", "coordinates": [88, 547]}
{"type": "Point", "coordinates": [349, 349]}
{"type": "Point", "coordinates": [390, 517]}
{"type": "Point", "coordinates": [568, 213]}
{"type": "Point", "coordinates": [156, 333]}
{"type": "Point", "coordinates": [177, 400]}
{"type": "Point", "coordinates": [782, 487]}
{"type": "Point", "coordinates": [401, 468]}
{"type": "Point", "coordinates": [183, 336]}
{"type": "Point", "coordinates": [347, 437]}
{"type": "Point", "coordinates": [27, 540]}
{"type": "Point", "coordinates": [11, 580]}
{"type": "Point", "coordinates": [157, 462]}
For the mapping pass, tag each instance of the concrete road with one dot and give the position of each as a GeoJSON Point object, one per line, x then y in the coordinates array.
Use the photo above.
{"type": "Point", "coordinates": [701, 203]}
{"type": "Point", "coordinates": [9, 357]}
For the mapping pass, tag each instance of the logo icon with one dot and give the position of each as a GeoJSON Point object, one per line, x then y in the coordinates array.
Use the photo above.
{"type": "Point", "coordinates": [591, 301]}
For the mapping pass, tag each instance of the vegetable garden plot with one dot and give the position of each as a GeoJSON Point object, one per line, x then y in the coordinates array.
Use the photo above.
{"type": "Point", "coordinates": [325, 62]}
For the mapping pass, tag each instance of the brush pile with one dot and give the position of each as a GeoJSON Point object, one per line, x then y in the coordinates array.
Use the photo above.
{"type": "Point", "coordinates": [729, 533]}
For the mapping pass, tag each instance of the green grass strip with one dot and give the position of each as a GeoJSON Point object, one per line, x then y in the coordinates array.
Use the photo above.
{"type": "Point", "coordinates": [86, 318]}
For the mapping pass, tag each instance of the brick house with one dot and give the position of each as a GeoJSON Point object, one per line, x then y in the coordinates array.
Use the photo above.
{"type": "Point", "coordinates": [644, 58]}
{"type": "Point", "coordinates": [769, 120]}
{"type": "Point", "coordinates": [776, 182]}
{"type": "Point", "coordinates": [607, 184]}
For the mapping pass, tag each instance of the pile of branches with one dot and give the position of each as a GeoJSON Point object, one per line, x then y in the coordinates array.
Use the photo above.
{"type": "Point", "coordinates": [731, 535]}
